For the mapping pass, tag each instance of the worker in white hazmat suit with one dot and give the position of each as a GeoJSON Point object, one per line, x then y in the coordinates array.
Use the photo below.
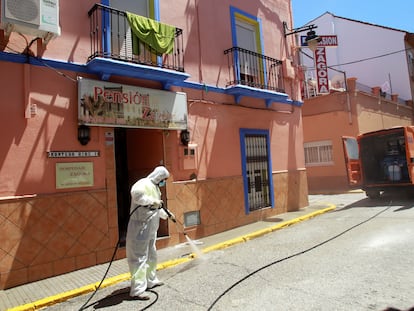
{"type": "Point", "coordinates": [145, 212]}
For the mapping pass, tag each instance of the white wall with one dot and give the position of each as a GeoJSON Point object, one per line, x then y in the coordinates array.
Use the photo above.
{"type": "Point", "coordinates": [358, 41]}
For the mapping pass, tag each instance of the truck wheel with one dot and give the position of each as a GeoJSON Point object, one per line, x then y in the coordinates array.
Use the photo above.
{"type": "Point", "coordinates": [373, 194]}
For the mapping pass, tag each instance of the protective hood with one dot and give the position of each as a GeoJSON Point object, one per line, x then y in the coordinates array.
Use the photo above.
{"type": "Point", "coordinates": [158, 174]}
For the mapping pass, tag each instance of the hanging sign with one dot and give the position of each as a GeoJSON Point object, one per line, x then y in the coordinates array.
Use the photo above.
{"type": "Point", "coordinates": [320, 60]}
{"type": "Point", "coordinates": [329, 40]}
{"type": "Point", "coordinates": [103, 103]}
{"type": "Point", "coordinates": [321, 69]}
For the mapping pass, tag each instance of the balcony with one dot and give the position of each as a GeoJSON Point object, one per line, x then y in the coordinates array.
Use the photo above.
{"type": "Point", "coordinates": [256, 75]}
{"type": "Point", "coordinates": [116, 49]}
{"type": "Point", "coordinates": [255, 70]}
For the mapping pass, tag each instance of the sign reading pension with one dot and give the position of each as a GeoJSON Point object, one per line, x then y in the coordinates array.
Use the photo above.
{"type": "Point", "coordinates": [103, 103]}
{"type": "Point", "coordinates": [320, 60]}
{"type": "Point", "coordinates": [327, 40]}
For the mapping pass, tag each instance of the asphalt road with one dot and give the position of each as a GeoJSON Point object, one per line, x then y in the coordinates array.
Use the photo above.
{"type": "Point", "coordinates": [358, 257]}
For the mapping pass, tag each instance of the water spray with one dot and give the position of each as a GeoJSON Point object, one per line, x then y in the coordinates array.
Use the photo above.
{"type": "Point", "coordinates": [195, 249]}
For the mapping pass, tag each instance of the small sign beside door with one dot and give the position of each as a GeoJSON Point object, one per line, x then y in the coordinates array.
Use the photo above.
{"type": "Point", "coordinates": [74, 175]}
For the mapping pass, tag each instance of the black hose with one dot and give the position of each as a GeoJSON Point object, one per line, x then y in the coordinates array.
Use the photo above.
{"type": "Point", "coordinates": [110, 262]}
{"type": "Point", "coordinates": [104, 277]}
{"type": "Point", "coordinates": [294, 255]}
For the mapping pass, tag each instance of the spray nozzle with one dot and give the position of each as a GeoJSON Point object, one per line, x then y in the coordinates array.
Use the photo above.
{"type": "Point", "coordinates": [169, 214]}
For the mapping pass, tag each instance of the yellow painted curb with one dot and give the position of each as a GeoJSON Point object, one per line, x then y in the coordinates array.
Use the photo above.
{"type": "Point", "coordinates": [174, 262]}
{"type": "Point", "coordinates": [168, 264]}
{"type": "Point", "coordinates": [26, 307]}
{"type": "Point", "coordinates": [42, 303]}
{"type": "Point", "coordinates": [257, 234]}
{"type": "Point", "coordinates": [223, 245]}
{"type": "Point", "coordinates": [251, 236]}
{"type": "Point", "coordinates": [262, 232]}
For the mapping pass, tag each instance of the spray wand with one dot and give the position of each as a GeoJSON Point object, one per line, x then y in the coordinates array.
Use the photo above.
{"type": "Point", "coordinates": [173, 219]}
{"type": "Point", "coordinates": [198, 253]}
{"type": "Point", "coordinates": [170, 216]}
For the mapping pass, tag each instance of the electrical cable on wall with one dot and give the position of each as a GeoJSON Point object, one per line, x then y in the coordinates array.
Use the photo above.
{"type": "Point", "coordinates": [55, 70]}
{"type": "Point", "coordinates": [29, 53]}
{"type": "Point", "coordinates": [209, 102]}
{"type": "Point", "coordinates": [360, 60]}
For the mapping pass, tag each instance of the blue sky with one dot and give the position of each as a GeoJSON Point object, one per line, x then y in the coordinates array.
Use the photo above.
{"type": "Point", "coordinates": [397, 14]}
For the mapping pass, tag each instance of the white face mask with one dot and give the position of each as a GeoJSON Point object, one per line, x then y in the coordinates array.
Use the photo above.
{"type": "Point", "coordinates": [162, 183]}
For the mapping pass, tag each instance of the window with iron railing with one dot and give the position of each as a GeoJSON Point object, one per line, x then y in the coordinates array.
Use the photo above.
{"type": "Point", "coordinates": [253, 69]}
{"type": "Point", "coordinates": [113, 37]}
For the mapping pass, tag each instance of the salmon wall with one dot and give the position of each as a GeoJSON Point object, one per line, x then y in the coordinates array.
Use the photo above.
{"type": "Point", "coordinates": [25, 167]}
{"type": "Point", "coordinates": [215, 124]}
{"type": "Point", "coordinates": [208, 33]}
{"type": "Point", "coordinates": [76, 228]}
{"type": "Point", "coordinates": [335, 115]}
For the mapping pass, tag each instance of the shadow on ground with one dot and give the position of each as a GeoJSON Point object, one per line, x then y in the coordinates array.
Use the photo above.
{"type": "Point", "coordinates": [404, 198]}
{"type": "Point", "coordinates": [119, 296]}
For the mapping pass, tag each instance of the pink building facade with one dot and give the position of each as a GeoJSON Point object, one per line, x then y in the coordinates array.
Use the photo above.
{"type": "Point", "coordinates": [378, 93]}
{"type": "Point", "coordinates": [88, 106]}
{"type": "Point", "coordinates": [328, 118]}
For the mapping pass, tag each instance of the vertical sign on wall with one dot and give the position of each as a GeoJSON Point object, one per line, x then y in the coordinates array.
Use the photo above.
{"type": "Point", "coordinates": [321, 69]}
{"type": "Point", "coordinates": [320, 60]}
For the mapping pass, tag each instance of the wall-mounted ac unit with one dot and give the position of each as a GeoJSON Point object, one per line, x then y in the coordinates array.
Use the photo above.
{"type": "Point", "coordinates": [39, 18]}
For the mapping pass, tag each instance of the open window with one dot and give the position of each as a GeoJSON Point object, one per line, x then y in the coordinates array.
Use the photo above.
{"type": "Point", "coordinates": [121, 35]}
{"type": "Point", "coordinates": [124, 42]}
{"type": "Point", "coordinates": [352, 160]}
{"type": "Point", "coordinates": [246, 36]}
{"type": "Point", "coordinates": [249, 64]}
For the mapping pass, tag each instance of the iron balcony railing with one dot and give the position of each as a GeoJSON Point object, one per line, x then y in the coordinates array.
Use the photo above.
{"type": "Point", "coordinates": [255, 70]}
{"type": "Point", "coordinates": [111, 37]}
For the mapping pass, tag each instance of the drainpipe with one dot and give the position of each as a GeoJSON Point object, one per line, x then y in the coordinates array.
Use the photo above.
{"type": "Point", "coordinates": [200, 52]}
{"type": "Point", "coordinates": [348, 100]}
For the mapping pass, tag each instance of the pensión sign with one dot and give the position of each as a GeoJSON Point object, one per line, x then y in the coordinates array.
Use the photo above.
{"type": "Point", "coordinates": [102, 103]}
{"type": "Point", "coordinates": [326, 41]}
{"type": "Point", "coordinates": [320, 60]}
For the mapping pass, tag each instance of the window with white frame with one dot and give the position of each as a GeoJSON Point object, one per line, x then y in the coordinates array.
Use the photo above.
{"type": "Point", "coordinates": [318, 153]}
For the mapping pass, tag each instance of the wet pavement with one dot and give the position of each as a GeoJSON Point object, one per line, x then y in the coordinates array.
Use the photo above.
{"type": "Point", "coordinates": [36, 295]}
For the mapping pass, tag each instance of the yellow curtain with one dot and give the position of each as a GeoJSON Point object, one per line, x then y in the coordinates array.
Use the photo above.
{"type": "Point", "coordinates": [157, 35]}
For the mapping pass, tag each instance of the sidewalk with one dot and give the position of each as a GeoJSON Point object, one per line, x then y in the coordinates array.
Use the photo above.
{"type": "Point", "coordinates": [53, 290]}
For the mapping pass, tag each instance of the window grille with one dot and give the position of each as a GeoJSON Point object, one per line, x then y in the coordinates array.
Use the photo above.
{"type": "Point", "coordinates": [318, 153]}
{"type": "Point", "coordinates": [257, 171]}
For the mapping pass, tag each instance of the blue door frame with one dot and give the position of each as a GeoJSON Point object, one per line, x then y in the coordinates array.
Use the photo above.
{"type": "Point", "coordinates": [256, 170]}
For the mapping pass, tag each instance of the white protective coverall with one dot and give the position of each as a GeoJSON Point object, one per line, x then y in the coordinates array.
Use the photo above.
{"type": "Point", "coordinates": [142, 231]}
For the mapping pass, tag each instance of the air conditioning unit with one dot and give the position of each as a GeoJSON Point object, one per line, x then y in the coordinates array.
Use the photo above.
{"type": "Point", "coordinates": [38, 18]}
